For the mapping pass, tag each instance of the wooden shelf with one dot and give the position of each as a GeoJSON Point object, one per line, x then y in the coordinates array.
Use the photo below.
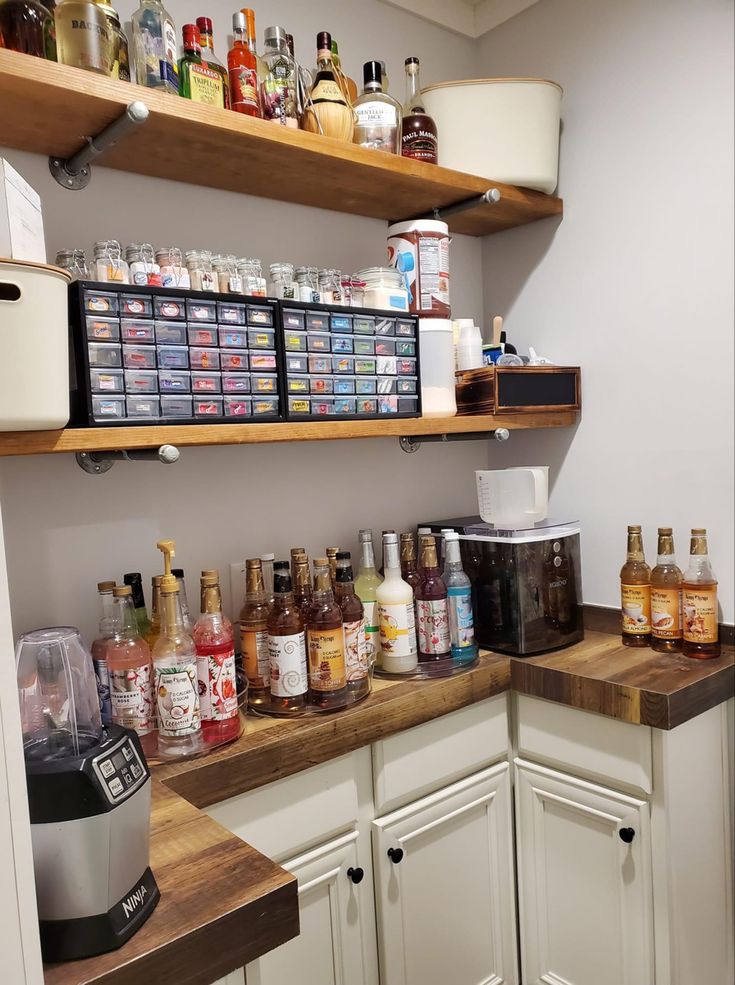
{"type": "Point", "coordinates": [106, 439]}
{"type": "Point", "coordinates": [49, 109]}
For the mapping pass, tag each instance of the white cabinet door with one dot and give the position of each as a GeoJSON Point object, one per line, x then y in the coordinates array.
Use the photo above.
{"type": "Point", "coordinates": [584, 878]}
{"type": "Point", "coordinates": [330, 949]}
{"type": "Point", "coordinates": [444, 886]}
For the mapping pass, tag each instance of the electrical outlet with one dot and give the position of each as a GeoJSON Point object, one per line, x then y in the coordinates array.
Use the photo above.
{"type": "Point", "coordinates": [237, 584]}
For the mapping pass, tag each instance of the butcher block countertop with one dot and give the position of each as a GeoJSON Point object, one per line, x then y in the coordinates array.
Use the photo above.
{"type": "Point", "coordinates": [223, 904]}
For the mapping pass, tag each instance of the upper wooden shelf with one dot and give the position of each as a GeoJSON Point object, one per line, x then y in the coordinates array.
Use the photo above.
{"type": "Point", "coordinates": [119, 438]}
{"type": "Point", "coordinates": [50, 109]}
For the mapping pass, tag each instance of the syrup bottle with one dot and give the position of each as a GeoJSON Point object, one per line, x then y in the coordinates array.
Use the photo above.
{"type": "Point", "coordinates": [366, 587]}
{"type": "Point", "coordinates": [357, 656]}
{"type": "Point", "coordinates": [635, 590]}
{"type": "Point", "coordinates": [302, 583]}
{"type": "Point", "coordinates": [286, 645]}
{"type": "Point", "coordinates": [666, 580]}
{"type": "Point", "coordinates": [326, 642]}
{"type": "Point", "coordinates": [396, 617]}
{"type": "Point", "coordinates": [215, 651]}
{"type": "Point", "coordinates": [432, 607]}
{"type": "Point", "coordinates": [409, 572]}
{"type": "Point", "coordinates": [254, 634]}
{"type": "Point", "coordinates": [131, 672]}
{"type": "Point", "coordinates": [699, 598]}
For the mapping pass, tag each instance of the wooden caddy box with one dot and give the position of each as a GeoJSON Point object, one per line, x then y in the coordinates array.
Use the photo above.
{"type": "Point", "coordinates": [515, 389]}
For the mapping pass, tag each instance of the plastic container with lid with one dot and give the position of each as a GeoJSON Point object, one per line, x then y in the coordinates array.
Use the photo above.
{"type": "Point", "coordinates": [436, 343]}
{"type": "Point", "coordinates": [419, 251]}
{"type": "Point", "coordinates": [384, 288]}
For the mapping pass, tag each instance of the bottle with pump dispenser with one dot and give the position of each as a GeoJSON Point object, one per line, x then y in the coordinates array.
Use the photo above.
{"type": "Point", "coordinates": [131, 672]}
{"type": "Point", "coordinates": [215, 651]}
{"type": "Point", "coordinates": [175, 672]}
{"type": "Point", "coordinates": [396, 619]}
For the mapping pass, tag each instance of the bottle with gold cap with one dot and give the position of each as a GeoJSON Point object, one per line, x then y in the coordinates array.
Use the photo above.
{"type": "Point", "coordinates": [432, 607]}
{"type": "Point", "coordinates": [131, 672]}
{"type": "Point", "coordinates": [325, 640]}
{"type": "Point", "coordinates": [699, 598]}
{"type": "Point", "coordinates": [289, 682]}
{"type": "Point", "coordinates": [99, 650]}
{"type": "Point", "coordinates": [175, 672]}
{"type": "Point", "coordinates": [154, 625]}
{"type": "Point", "coordinates": [254, 634]}
{"type": "Point", "coordinates": [635, 592]}
{"type": "Point", "coordinates": [358, 656]}
{"type": "Point", "coordinates": [409, 572]}
{"type": "Point", "coordinates": [215, 649]}
{"type": "Point", "coordinates": [302, 582]}
{"type": "Point", "coordinates": [331, 553]}
{"type": "Point", "coordinates": [666, 580]}
{"type": "Point", "coordinates": [295, 553]}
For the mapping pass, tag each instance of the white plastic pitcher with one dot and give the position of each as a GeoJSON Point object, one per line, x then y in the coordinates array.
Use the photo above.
{"type": "Point", "coordinates": [513, 498]}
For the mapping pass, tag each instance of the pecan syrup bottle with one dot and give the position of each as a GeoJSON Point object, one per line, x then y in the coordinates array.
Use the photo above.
{"type": "Point", "coordinates": [326, 643]}
{"type": "Point", "coordinates": [409, 572]}
{"type": "Point", "coordinates": [635, 591]}
{"type": "Point", "coordinates": [699, 598]}
{"type": "Point", "coordinates": [289, 683]}
{"type": "Point", "coordinates": [254, 634]}
{"type": "Point", "coordinates": [353, 621]}
{"type": "Point", "coordinates": [666, 580]}
{"type": "Point", "coordinates": [432, 607]}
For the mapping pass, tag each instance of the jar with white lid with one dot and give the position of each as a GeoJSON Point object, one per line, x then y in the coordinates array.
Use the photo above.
{"type": "Point", "coordinates": [307, 279]}
{"type": "Point", "coordinates": [108, 264]}
{"type": "Point", "coordinates": [174, 272]}
{"type": "Point", "coordinates": [384, 288]}
{"type": "Point", "coordinates": [228, 279]}
{"type": "Point", "coordinates": [199, 265]}
{"type": "Point", "coordinates": [75, 262]}
{"type": "Point", "coordinates": [250, 271]}
{"type": "Point", "coordinates": [144, 270]}
{"type": "Point", "coordinates": [436, 348]}
{"type": "Point", "coordinates": [282, 284]}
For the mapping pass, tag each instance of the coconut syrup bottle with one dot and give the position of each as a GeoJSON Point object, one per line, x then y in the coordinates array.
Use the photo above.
{"type": "Point", "coordinates": [215, 650]}
{"type": "Point", "coordinates": [666, 578]}
{"type": "Point", "coordinates": [699, 598]}
{"type": "Point", "coordinates": [432, 607]}
{"type": "Point", "coordinates": [357, 657]}
{"type": "Point", "coordinates": [254, 634]}
{"type": "Point", "coordinates": [396, 618]}
{"type": "Point", "coordinates": [635, 592]}
{"type": "Point", "coordinates": [175, 672]}
{"type": "Point", "coordinates": [325, 640]}
{"type": "Point", "coordinates": [289, 682]}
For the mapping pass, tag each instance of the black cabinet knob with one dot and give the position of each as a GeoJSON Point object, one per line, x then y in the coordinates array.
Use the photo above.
{"type": "Point", "coordinates": [356, 875]}
{"type": "Point", "coordinates": [627, 835]}
{"type": "Point", "coordinates": [395, 855]}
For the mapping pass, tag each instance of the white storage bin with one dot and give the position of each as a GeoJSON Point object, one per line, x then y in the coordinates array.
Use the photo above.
{"type": "Point", "coordinates": [436, 344]}
{"type": "Point", "coordinates": [34, 368]}
{"type": "Point", "coordinates": [500, 129]}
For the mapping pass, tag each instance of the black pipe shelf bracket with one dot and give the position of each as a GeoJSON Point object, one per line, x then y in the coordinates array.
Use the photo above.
{"type": "Point", "coordinates": [490, 197]}
{"type": "Point", "coordinates": [75, 172]}
{"type": "Point", "coordinates": [99, 462]}
{"type": "Point", "coordinates": [412, 443]}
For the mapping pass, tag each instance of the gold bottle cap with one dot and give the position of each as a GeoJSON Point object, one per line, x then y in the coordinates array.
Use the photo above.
{"type": "Point", "coordinates": [253, 563]}
{"type": "Point", "coordinates": [665, 531]}
{"type": "Point", "coordinates": [120, 591]}
{"type": "Point", "coordinates": [699, 532]}
{"type": "Point", "coordinates": [634, 529]}
{"type": "Point", "coordinates": [297, 550]}
{"type": "Point", "coordinates": [332, 552]}
{"type": "Point", "coordinates": [156, 581]}
{"type": "Point", "coordinates": [322, 579]}
{"type": "Point", "coordinates": [105, 586]}
{"type": "Point", "coordinates": [209, 578]}
{"type": "Point", "coordinates": [321, 562]}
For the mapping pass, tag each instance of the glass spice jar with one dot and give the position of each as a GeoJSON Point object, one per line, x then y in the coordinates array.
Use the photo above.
{"type": "Point", "coordinates": [330, 289]}
{"type": "Point", "coordinates": [282, 284]}
{"type": "Point", "coordinates": [307, 279]}
{"type": "Point", "coordinates": [144, 271]}
{"type": "Point", "coordinates": [199, 265]}
{"type": "Point", "coordinates": [357, 286]}
{"type": "Point", "coordinates": [174, 272]}
{"type": "Point", "coordinates": [228, 279]}
{"type": "Point", "coordinates": [108, 264]}
{"type": "Point", "coordinates": [251, 273]}
{"type": "Point", "coordinates": [75, 261]}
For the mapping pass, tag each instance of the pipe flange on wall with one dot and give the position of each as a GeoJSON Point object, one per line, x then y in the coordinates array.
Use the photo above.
{"type": "Point", "coordinates": [99, 462]}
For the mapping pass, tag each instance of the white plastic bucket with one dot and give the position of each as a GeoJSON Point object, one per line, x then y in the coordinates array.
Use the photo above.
{"type": "Point", "coordinates": [500, 129]}
{"type": "Point", "coordinates": [34, 365]}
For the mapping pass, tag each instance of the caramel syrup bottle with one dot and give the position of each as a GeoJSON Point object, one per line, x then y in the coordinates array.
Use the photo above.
{"type": "Point", "coordinates": [699, 598]}
{"type": "Point", "coordinates": [357, 657]}
{"type": "Point", "coordinates": [326, 643]}
{"type": "Point", "coordinates": [666, 581]}
{"type": "Point", "coordinates": [432, 607]}
{"type": "Point", "coordinates": [289, 683]}
{"type": "Point", "coordinates": [409, 572]}
{"type": "Point", "coordinates": [254, 634]}
{"type": "Point", "coordinates": [635, 592]}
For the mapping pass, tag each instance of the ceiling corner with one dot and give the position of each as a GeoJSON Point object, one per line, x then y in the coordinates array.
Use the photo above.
{"type": "Point", "coordinates": [472, 18]}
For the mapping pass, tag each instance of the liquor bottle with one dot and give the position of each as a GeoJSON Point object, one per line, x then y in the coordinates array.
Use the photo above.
{"type": "Point", "coordinates": [131, 672]}
{"type": "Point", "coordinates": [408, 561]}
{"type": "Point", "coordinates": [666, 596]}
{"type": "Point", "coordinates": [215, 649]}
{"type": "Point", "coordinates": [699, 599]}
{"type": "Point", "coordinates": [267, 561]}
{"type": "Point", "coordinates": [398, 649]}
{"type": "Point", "coordinates": [296, 552]}
{"type": "Point", "coordinates": [154, 628]}
{"type": "Point", "coordinates": [83, 36]}
{"type": "Point", "coordinates": [382, 542]}
{"type": "Point", "coordinates": [242, 65]}
{"type": "Point", "coordinates": [378, 114]}
{"type": "Point", "coordinates": [357, 657]}
{"type": "Point", "coordinates": [206, 40]}
{"type": "Point", "coordinates": [254, 634]}
{"type": "Point", "coordinates": [175, 672]}
{"type": "Point", "coordinates": [635, 589]}
{"type": "Point", "coordinates": [252, 44]}
{"type": "Point", "coordinates": [325, 641]}
{"type": "Point", "coordinates": [289, 680]}
{"type": "Point", "coordinates": [135, 580]}
{"type": "Point", "coordinates": [459, 596]}
{"type": "Point", "coordinates": [302, 583]}
{"type": "Point", "coordinates": [278, 84]}
{"type": "Point", "coordinates": [419, 140]}
{"type": "Point", "coordinates": [442, 545]}
{"type": "Point", "coordinates": [432, 607]}
{"type": "Point", "coordinates": [25, 26]}
{"type": "Point", "coordinates": [154, 47]}
{"type": "Point", "coordinates": [99, 650]}
{"type": "Point", "coordinates": [422, 532]}
{"type": "Point", "coordinates": [119, 54]}
{"type": "Point", "coordinates": [197, 81]}
{"type": "Point", "coordinates": [49, 30]}
{"type": "Point", "coordinates": [178, 574]}
{"type": "Point", "coordinates": [329, 110]}
{"type": "Point", "coordinates": [350, 83]}
{"type": "Point", "coordinates": [332, 553]}
{"type": "Point", "coordinates": [366, 586]}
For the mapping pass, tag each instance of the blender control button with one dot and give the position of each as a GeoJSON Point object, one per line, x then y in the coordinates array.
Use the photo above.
{"type": "Point", "coordinates": [116, 787]}
{"type": "Point", "coordinates": [127, 777]}
{"type": "Point", "coordinates": [136, 770]}
{"type": "Point", "coordinates": [127, 753]}
{"type": "Point", "coordinates": [107, 768]}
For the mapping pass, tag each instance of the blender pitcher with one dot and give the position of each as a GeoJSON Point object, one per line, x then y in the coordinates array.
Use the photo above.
{"type": "Point", "coordinates": [515, 497]}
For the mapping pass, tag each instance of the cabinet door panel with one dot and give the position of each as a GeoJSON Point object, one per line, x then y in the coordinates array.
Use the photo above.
{"type": "Point", "coordinates": [585, 893]}
{"type": "Point", "coordinates": [446, 911]}
{"type": "Point", "coordinates": [330, 947]}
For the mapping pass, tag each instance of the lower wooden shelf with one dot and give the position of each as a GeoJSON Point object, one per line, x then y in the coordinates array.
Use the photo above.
{"type": "Point", "coordinates": [123, 438]}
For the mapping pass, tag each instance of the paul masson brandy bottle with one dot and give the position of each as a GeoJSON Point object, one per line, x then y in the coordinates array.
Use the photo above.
{"type": "Point", "coordinates": [419, 140]}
